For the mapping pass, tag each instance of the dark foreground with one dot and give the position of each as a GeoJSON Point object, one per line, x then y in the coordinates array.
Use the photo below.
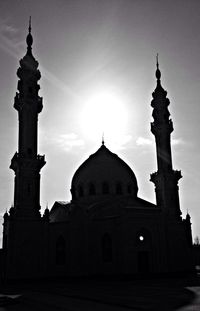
{"type": "Point", "coordinates": [166, 294]}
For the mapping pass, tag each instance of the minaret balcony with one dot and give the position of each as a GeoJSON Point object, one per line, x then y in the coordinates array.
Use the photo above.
{"type": "Point", "coordinates": [162, 128]}
{"type": "Point", "coordinates": [21, 162]}
{"type": "Point", "coordinates": [172, 177]}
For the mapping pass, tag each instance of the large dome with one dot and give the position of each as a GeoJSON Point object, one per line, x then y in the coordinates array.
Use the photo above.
{"type": "Point", "coordinates": [103, 174]}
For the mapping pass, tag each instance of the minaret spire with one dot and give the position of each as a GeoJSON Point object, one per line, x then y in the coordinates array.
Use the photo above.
{"type": "Point", "coordinates": [29, 28]}
{"type": "Point", "coordinates": [158, 73]}
{"type": "Point", "coordinates": [157, 64]}
{"type": "Point", "coordinates": [29, 39]}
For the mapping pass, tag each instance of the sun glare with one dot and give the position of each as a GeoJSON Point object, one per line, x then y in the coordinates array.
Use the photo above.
{"type": "Point", "coordinates": [104, 113]}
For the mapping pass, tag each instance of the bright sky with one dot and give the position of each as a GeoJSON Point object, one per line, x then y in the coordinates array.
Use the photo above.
{"type": "Point", "coordinates": [102, 54]}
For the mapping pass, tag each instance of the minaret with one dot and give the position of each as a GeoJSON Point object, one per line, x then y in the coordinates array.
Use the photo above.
{"type": "Point", "coordinates": [165, 179]}
{"type": "Point", "coordinates": [26, 163]}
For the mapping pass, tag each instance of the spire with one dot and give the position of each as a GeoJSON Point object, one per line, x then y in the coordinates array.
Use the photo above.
{"type": "Point", "coordinates": [158, 73]}
{"type": "Point", "coordinates": [29, 39]}
{"type": "Point", "coordinates": [103, 141]}
{"type": "Point", "coordinates": [29, 28]}
{"type": "Point", "coordinates": [188, 216]}
{"type": "Point", "coordinates": [46, 213]}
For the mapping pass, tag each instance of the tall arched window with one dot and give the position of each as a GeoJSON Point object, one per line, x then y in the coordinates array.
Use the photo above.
{"type": "Point", "coordinates": [129, 189]}
{"type": "Point", "coordinates": [80, 191]}
{"type": "Point", "coordinates": [92, 190]}
{"type": "Point", "coordinates": [118, 188]}
{"type": "Point", "coordinates": [106, 246]}
{"type": "Point", "coordinates": [105, 188]}
{"type": "Point", "coordinates": [60, 251]}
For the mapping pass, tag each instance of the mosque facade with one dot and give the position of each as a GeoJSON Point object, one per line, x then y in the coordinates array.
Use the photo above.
{"type": "Point", "coordinates": [106, 229]}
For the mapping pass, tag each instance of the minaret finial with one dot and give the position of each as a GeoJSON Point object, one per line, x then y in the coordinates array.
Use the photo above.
{"type": "Point", "coordinates": [158, 73]}
{"type": "Point", "coordinates": [103, 142]}
{"type": "Point", "coordinates": [157, 64]}
{"type": "Point", "coordinates": [29, 28]}
{"type": "Point", "coordinates": [29, 39]}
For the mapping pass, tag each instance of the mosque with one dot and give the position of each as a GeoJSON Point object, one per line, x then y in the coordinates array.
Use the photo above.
{"type": "Point", "coordinates": [106, 229]}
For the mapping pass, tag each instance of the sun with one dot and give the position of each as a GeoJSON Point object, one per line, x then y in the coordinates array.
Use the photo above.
{"type": "Point", "coordinates": [104, 113]}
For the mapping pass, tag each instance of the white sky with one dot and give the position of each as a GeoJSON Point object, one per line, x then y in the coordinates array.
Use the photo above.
{"type": "Point", "coordinates": [90, 47]}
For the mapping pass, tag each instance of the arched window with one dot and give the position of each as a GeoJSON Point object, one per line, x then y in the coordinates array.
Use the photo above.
{"type": "Point", "coordinates": [80, 191]}
{"type": "Point", "coordinates": [105, 188]}
{"type": "Point", "coordinates": [60, 251]}
{"type": "Point", "coordinates": [118, 188]}
{"type": "Point", "coordinates": [92, 190]}
{"type": "Point", "coordinates": [106, 246]}
{"type": "Point", "coordinates": [129, 189]}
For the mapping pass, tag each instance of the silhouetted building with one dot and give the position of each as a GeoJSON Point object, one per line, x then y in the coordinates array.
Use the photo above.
{"type": "Point", "coordinates": [106, 228]}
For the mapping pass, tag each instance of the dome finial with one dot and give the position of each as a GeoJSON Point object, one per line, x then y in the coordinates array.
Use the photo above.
{"type": "Point", "coordinates": [103, 141]}
{"type": "Point", "coordinates": [29, 39]}
{"type": "Point", "coordinates": [158, 73]}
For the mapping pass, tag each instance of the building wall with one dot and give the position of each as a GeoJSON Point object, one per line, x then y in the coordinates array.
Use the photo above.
{"type": "Point", "coordinates": [23, 251]}
{"type": "Point", "coordinates": [140, 243]}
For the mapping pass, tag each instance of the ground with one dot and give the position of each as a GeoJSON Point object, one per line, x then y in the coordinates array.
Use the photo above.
{"type": "Point", "coordinates": [166, 294]}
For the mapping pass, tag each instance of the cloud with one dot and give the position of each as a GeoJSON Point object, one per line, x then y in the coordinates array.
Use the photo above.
{"type": "Point", "coordinates": [9, 39]}
{"type": "Point", "coordinates": [142, 141]}
{"type": "Point", "coordinates": [9, 30]}
{"type": "Point", "coordinates": [70, 141]}
{"type": "Point", "coordinates": [177, 142]}
{"type": "Point", "coordinates": [66, 142]}
{"type": "Point", "coordinates": [121, 142]}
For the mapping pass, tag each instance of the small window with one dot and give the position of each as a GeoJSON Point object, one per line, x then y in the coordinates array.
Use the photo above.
{"type": "Point", "coordinates": [105, 188]}
{"type": "Point", "coordinates": [118, 188]}
{"type": "Point", "coordinates": [92, 190]}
